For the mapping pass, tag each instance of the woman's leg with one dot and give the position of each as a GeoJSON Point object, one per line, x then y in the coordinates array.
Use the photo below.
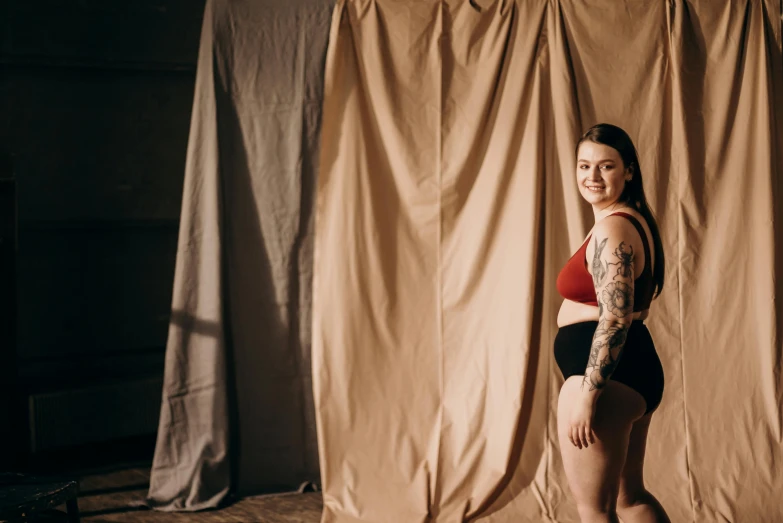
{"type": "Point", "coordinates": [634, 503]}
{"type": "Point", "coordinates": [594, 472]}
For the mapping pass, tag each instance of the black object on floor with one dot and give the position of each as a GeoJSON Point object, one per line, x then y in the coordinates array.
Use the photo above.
{"type": "Point", "coordinates": [29, 498]}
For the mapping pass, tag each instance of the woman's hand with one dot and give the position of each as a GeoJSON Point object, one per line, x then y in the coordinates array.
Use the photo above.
{"type": "Point", "coordinates": [580, 421]}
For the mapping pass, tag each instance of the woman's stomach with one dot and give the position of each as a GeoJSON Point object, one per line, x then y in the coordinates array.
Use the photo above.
{"type": "Point", "coordinates": [575, 312]}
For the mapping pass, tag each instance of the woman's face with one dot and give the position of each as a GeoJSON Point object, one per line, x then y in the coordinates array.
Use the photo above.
{"type": "Point", "coordinates": [600, 174]}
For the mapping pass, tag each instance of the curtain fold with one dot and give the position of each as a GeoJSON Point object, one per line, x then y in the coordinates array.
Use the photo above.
{"type": "Point", "coordinates": [375, 330]}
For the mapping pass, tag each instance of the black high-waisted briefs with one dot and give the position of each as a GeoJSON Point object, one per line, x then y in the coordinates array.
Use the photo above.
{"type": "Point", "coordinates": [639, 366]}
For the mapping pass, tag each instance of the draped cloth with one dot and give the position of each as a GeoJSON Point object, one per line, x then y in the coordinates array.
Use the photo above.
{"type": "Point", "coordinates": [237, 412]}
{"type": "Point", "coordinates": [446, 204]}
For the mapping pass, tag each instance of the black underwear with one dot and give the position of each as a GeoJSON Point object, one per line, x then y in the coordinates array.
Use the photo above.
{"type": "Point", "coordinates": [639, 366]}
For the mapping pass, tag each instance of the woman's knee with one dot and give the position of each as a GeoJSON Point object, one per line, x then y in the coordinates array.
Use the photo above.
{"type": "Point", "coordinates": [597, 512]}
{"type": "Point", "coordinates": [603, 501]}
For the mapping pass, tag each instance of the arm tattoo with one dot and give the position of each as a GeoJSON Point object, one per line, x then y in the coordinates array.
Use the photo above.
{"type": "Point", "coordinates": [608, 343]}
{"type": "Point", "coordinates": [600, 269]}
{"type": "Point", "coordinates": [626, 260]}
{"type": "Point", "coordinates": [615, 297]}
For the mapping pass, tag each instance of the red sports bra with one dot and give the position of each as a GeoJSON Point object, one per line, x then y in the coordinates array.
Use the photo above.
{"type": "Point", "coordinates": [576, 284]}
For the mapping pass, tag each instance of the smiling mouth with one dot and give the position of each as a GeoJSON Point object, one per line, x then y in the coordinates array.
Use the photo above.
{"type": "Point", "coordinates": [594, 189]}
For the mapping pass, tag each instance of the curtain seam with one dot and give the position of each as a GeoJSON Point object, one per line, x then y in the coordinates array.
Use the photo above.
{"type": "Point", "coordinates": [676, 151]}
{"type": "Point", "coordinates": [439, 269]}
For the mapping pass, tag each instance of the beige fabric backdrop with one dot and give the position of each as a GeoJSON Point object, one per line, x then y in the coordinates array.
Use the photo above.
{"type": "Point", "coordinates": [446, 205]}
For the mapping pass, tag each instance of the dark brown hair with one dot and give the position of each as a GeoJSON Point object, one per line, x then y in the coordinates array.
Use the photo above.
{"type": "Point", "coordinates": [633, 194]}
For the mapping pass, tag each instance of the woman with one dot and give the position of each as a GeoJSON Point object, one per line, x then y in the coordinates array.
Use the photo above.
{"type": "Point", "coordinates": [613, 377]}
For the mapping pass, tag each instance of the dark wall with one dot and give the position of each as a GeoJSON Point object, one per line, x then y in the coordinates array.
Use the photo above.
{"type": "Point", "coordinates": [95, 102]}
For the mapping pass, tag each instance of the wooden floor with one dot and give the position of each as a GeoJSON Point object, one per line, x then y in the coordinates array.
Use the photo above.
{"type": "Point", "coordinates": [116, 496]}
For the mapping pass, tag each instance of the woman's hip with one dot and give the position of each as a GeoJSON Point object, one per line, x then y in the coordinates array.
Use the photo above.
{"type": "Point", "coordinates": [573, 344]}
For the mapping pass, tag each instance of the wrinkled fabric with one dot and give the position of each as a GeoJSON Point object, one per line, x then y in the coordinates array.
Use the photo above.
{"type": "Point", "coordinates": [237, 413]}
{"type": "Point", "coordinates": [446, 204]}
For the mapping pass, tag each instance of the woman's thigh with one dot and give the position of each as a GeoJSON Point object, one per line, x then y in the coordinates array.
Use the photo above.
{"type": "Point", "coordinates": [594, 472]}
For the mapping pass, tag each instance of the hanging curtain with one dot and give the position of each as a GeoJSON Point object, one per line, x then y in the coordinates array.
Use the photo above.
{"type": "Point", "coordinates": [237, 413]}
{"type": "Point", "coordinates": [446, 204]}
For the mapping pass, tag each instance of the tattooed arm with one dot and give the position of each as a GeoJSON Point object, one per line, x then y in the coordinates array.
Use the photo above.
{"type": "Point", "coordinates": [612, 268]}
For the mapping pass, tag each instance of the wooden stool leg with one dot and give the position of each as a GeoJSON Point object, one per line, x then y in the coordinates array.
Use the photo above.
{"type": "Point", "coordinates": [73, 510]}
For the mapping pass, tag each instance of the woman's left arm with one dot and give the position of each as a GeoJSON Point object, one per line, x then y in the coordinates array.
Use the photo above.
{"type": "Point", "coordinates": [612, 268]}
